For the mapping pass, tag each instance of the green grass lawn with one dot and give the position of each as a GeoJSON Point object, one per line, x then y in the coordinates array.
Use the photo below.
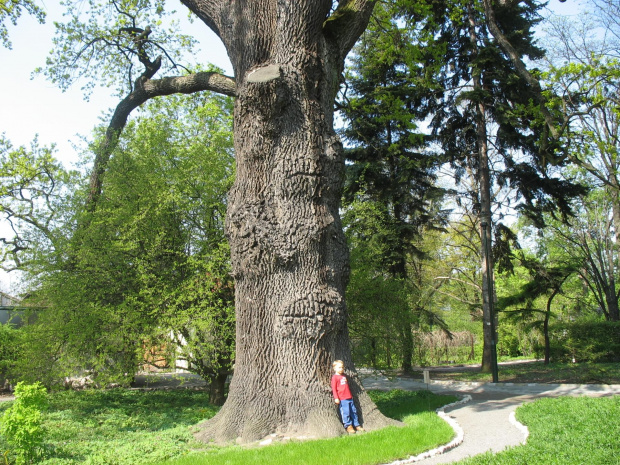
{"type": "Point", "coordinates": [538, 372]}
{"type": "Point", "coordinates": [140, 427]}
{"type": "Point", "coordinates": [153, 427]}
{"type": "Point", "coordinates": [564, 431]}
{"type": "Point", "coordinates": [424, 430]}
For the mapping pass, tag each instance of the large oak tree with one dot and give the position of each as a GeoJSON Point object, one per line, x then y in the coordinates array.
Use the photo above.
{"type": "Point", "coordinates": [289, 255]}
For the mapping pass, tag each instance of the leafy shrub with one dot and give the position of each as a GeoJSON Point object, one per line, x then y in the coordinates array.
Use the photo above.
{"type": "Point", "coordinates": [21, 423]}
{"type": "Point", "coordinates": [592, 341]}
{"type": "Point", "coordinates": [8, 349]}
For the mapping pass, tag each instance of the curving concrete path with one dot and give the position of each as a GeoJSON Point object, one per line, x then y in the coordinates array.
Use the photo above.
{"type": "Point", "coordinates": [486, 420]}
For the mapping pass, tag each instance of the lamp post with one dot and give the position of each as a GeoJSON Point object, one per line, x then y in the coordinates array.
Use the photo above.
{"type": "Point", "coordinates": [487, 251]}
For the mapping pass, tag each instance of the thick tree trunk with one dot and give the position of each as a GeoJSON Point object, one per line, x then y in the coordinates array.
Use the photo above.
{"type": "Point", "coordinates": [288, 251]}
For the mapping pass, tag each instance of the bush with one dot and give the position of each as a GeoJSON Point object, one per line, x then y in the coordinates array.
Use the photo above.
{"type": "Point", "coordinates": [21, 423]}
{"type": "Point", "coordinates": [597, 341]}
{"type": "Point", "coordinates": [8, 350]}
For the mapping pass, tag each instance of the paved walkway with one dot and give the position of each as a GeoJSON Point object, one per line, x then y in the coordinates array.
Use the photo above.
{"type": "Point", "coordinates": [486, 420]}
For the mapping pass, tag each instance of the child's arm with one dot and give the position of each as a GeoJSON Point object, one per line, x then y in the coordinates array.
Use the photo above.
{"type": "Point", "coordinates": [334, 392]}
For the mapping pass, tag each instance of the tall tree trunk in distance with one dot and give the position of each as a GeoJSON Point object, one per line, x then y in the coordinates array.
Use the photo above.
{"type": "Point", "coordinates": [546, 326]}
{"type": "Point", "coordinates": [288, 251]}
{"type": "Point", "coordinates": [484, 194]}
{"type": "Point", "coordinates": [399, 271]}
{"type": "Point", "coordinates": [614, 314]}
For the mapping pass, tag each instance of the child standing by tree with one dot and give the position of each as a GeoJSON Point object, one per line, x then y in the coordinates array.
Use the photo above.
{"type": "Point", "coordinates": [343, 397]}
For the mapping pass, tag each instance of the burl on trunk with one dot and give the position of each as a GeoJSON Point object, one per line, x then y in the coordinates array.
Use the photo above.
{"type": "Point", "coordinates": [289, 255]}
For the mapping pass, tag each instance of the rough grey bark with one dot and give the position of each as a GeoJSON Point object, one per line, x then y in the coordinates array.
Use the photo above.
{"type": "Point", "coordinates": [288, 251]}
{"type": "Point", "coordinates": [484, 193]}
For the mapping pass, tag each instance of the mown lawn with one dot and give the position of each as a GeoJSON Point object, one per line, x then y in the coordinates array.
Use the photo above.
{"type": "Point", "coordinates": [141, 427]}
{"type": "Point", "coordinates": [537, 372]}
{"type": "Point", "coordinates": [564, 431]}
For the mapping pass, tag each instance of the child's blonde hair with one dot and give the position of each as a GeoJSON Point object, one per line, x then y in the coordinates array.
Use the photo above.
{"type": "Point", "coordinates": [337, 362]}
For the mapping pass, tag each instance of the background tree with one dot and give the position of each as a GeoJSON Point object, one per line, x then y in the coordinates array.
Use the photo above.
{"type": "Point", "coordinates": [123, 45]}
{"type": "Point", "coordinates": [390, 164]}
{"type": "Point", "coordinates": [585, 76]}
{"type": "Point", "coordinates": [34, 189]}
{"type": "Point", "coordinates": [450, 68]}
{"type": "Point", "coordinates": [378, 302]}
{"type": "Point", "coordinates": [546, 280]}
{"type": "Point", "coordinates": [590, 241]}
{"type": "Point", "coordinates": [150, 269]}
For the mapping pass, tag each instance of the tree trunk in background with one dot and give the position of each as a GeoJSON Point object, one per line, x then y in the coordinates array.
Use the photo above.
{"type": "Point", "coordinates": [288, 251]}
{"type": "Point", "coordinates": [614, 313]}
{"type": "Point", "coordinates": [484, 193]}
{"type": "Point", "coordinates": [217, 389]}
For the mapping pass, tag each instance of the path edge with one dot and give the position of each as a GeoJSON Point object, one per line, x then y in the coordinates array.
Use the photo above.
{"type": "Point", "coordinates": [456, 441]}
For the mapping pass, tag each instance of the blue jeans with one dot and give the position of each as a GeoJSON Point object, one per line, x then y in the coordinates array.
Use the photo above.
{"type": "Point", "coordinates": [348, 413]}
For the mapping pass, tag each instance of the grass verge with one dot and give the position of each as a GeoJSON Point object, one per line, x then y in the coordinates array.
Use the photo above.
{"type": "Point", "coordinates": [538, 372]}
{"type": "Point", "coordinates": [565, 430]}
{"type": "Point", "coordinates": [135, 427]}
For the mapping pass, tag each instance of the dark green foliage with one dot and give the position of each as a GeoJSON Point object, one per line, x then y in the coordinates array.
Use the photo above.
{"type": "Point", "coordinates": [390, 160]}
{"type": "Point", "coordinates": [588, 341]}
{"type": "Point", "coordinates": [445, 30]}
{"type": "Point", "coordinates": [390, 180]}
{"type": "Point", "coordinates": [8, 349]}
{"type": "Point", "coordinates": [377, 301]}
{"type": "Point", "coordinates": [544, 281]}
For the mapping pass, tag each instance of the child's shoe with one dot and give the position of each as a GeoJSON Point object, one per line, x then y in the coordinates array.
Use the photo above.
{"type": "Point", "coordinates": [359, 429]}
{"type": "Point", "coordinates": [350, 429]}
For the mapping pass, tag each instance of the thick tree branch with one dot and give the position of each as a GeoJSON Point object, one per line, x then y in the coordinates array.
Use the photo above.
{"type": "Point", "coordinates": [347, 23]}
{"type": "Point", "coordinates": [145, 89]}
{"type": "Point", "coordinates": [209, 11]}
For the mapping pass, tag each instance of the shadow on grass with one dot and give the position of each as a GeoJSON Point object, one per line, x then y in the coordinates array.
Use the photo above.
{"type": "Point", "coordinates": [156, 410]}
{"type": "Point", "coordinates": [398, 404]}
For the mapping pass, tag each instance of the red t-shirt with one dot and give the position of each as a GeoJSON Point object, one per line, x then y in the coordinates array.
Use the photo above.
{"type": "Point", "coordinates": [340, 387]}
